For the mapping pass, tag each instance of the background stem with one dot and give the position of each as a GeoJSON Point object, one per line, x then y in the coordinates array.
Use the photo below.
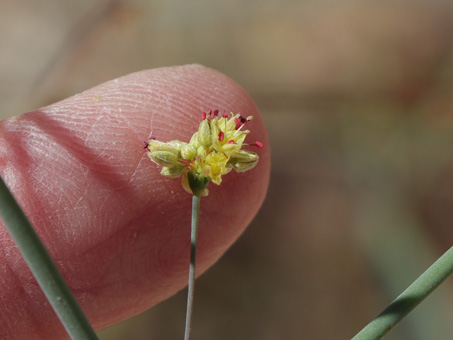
{"type": "Point", "coordinates": [409, 299]}
{"type": "Point", "coordinates": [193, 251]}
{"type": "Point", "coordinates": [43, 268]}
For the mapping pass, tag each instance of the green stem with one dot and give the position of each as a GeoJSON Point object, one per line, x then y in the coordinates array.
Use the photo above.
{"type": "Point", "coordinates": [193, 252]}
{"type": "Point", "coordinates": [43, 268]}
{"type": "Point", "coordinates": [409, 299]}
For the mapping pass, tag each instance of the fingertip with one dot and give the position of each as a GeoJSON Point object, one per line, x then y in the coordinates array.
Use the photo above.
{"type": "Point", "coordinates": [118, 229]}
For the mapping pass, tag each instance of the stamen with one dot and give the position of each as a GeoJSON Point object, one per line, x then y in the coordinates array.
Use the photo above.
{"type": "Point", "coordinates": [258, 144]}
{"type": "Point", "coordinates": [240, 122]}
{"type": "Point", "coordinates": [221, 136]}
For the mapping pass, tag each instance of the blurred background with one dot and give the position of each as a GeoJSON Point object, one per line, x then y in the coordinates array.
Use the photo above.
{"type": "Point", "coordinates": [358, 100]}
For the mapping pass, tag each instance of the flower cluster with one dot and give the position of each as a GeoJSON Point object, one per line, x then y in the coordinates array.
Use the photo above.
{"type": "Point", "coordinates": [214, 150]}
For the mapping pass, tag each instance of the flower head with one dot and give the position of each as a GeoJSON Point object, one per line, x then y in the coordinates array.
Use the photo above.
{"type": "Point", "coordinates": [213, 151]}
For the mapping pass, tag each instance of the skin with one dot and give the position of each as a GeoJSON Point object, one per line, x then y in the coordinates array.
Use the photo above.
{"type": "Point", "coordinates": [118, 230]}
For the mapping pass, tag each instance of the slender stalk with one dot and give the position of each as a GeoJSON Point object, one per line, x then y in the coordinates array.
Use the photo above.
{"type": "Point", "coordinates": [409, 299]}
{"type": "Point", "coordinates": [43, 268]}
{"type": "Point", "coordinates": [193, 252]}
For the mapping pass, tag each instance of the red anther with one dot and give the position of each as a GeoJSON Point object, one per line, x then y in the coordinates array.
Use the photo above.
{"type": "Point", "coordinates": [221, 136]}
{"type": "Point", "coordinates": [239, 122]}
{"type": "Point", "coordinates": [258, 144]}
{"type": "Point", "coordinates": [203, 116]}
{"type": "Point", "coordinates": [225, 115]}
{"type": "Point", "coordinates": [231, 141]}
{"type": "Point", "coordinates": [210, 113]}
{"type": "Point", "coordinates": [215, 113]}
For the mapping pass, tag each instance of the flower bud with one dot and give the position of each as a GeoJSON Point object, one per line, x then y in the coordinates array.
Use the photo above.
{"type": "Point", "coordinates": [176, 144]}
{"type": "Point", "coordinates": [201, 151]}
{"type": "Point", "coordinates": [164, 157]}
{"type": "Point", "coordinates": [243, 160]}
{"type": "Point", "coordinates": [194, 141]}
{"type": "Point", "coordinates": [188, 151]}
{"type": "Point", "coordinates": [164, 154]}
{"type": "Point", "coordinates": [172, 172]}
{"type": "Point", "coordinates": [205, 133]}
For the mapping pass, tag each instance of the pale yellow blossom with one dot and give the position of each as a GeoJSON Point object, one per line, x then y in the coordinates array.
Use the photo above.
{"type": "Point", "coordinates": [213, 151]}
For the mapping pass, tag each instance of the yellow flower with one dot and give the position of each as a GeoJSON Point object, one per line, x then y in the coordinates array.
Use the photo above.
{"type": "Point", "coordinates": [214, 150]}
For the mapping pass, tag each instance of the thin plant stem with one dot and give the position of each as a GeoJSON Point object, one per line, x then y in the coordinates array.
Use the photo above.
{"type": "Point", "coordinates": [193, 252]}
{"type": "Point", "coordinates": [43, 268]}
{"type": "Point", "coordinates": [409, 299]}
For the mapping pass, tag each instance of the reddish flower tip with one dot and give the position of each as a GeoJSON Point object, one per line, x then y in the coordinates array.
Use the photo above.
{"type": "Point", "coordinates": [231, 141]}
{"type": "Point", "coordinates": [221, 136]}
{"type": "Point", "coordinates": [203, 116]}
{"type": "Point", "coordinates": [258, 144]}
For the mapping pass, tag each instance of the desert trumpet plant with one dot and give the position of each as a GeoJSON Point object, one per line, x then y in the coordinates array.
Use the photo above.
{"type": "Point", "coordinates": [212, 152]}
